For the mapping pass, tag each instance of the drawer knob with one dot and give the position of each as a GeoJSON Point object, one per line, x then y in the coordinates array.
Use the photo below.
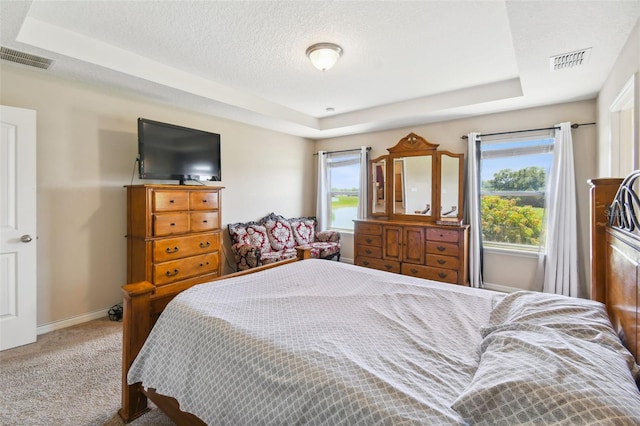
{"type": "Point", "coordinates": [388, 266]}
{"type": "Point", "coordinates": [440, 248]}
{"type": "Point", "coordinates": [204, 201]}
{"type": "Point", "coordinates": [172, 274]}
{"type": "Point", "coordinates": [204, 221]}
{"type": "Point", "coordinates": [205, 245]}
{"type": "Point", "coordinates": [368, 251]}
{"type": "Point", "coordinates": [414, 270]}
{"type": "Point", "coordinates": [442, 275]}
{"type": "Point", "coordinates": [171, 201]}
{"type": "Point", "coordinates": [441, 262]}
{"type": "Point", "coordinates": [365, 263]}
{"type": "Point", "coordinates": [172, 250]}
{"type": "Point", "coordinates": [173, 224]}
{"type": "Point", "coordinates": [369, 240]}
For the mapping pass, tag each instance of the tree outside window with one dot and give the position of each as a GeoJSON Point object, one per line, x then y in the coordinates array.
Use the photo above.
{"type": "Point", "coordinates": [515, 175]}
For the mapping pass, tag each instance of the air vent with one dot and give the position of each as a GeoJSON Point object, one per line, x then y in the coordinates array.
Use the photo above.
{"type": "Point", "coordinates": [24, 58]}
{"type": "Point", "coordinates": [569, 60]}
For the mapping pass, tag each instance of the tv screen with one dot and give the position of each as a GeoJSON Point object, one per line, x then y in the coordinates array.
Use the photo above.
{"type": "Point", "coordinates": [171, 152]}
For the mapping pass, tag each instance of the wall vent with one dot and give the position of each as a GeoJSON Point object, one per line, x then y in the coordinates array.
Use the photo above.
{"type": "Point", "coordinates": [569, 60]}
{"type": "Point", "coordinates": [23, 58]}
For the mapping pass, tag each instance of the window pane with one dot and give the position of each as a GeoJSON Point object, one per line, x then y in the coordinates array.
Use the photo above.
{"type": "Point", "coordinates": [344, 181]}
{"type": "Point", "coordinates": [514, 182]}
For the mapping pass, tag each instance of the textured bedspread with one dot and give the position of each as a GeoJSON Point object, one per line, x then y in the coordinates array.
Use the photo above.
{"type": "Point", "coordinates": [317, 342]}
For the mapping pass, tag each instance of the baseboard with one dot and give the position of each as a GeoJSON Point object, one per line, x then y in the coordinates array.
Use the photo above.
{"type": "Point", "coordinates": [500, 288]}
{"type": "Point", "coordinates": [57, 325]}
{"type": "Point", "coordinates": [346, 260]}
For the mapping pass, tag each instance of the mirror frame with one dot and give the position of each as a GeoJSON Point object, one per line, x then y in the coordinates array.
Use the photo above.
{"type": "Point", "coordinates": [460, 158]}
{"type": "Point", "coordinates": [413, 145]}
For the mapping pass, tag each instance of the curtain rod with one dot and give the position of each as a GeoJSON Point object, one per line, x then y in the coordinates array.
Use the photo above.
{"type": "Point", "coordinates": [573, 126]}
{"type": "Point", "coordinates": [344, 150]}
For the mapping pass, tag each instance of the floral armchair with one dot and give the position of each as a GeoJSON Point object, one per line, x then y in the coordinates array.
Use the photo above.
{"type": "Point", "coordinates": [275, 238]}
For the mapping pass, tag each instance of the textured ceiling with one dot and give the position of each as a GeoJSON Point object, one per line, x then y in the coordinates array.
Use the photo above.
{"type": "Point", "coordinates": [404, 63]}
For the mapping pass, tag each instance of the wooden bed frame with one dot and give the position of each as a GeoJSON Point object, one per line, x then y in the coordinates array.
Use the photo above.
{"type": "Point", "coordinates": [615, 281]}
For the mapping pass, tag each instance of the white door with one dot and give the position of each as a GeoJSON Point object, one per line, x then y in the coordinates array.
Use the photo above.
{"type": "Point", "coordinates": [17, 227]}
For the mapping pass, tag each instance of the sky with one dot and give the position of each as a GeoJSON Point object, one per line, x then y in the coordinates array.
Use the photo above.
{"type": "Point", "coordinates": [490, 166]}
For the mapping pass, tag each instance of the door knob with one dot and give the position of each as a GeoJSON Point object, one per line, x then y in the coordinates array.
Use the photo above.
{"type": "Point", "coordinates": [26, 238]}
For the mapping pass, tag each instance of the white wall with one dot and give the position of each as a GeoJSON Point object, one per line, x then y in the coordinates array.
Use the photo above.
{"type": "Point", "coordinates": [626, 68]}
{"type": "Point", "coordinates": [87, 144]}
{"type": "Point", "coordinates": [500, 269]}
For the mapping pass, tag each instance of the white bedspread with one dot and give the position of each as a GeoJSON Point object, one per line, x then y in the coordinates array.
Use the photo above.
{"type": "Point", "coordinates": [317, 342]}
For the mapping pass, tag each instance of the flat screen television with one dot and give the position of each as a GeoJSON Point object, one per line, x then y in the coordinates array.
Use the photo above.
{"type": "Point", "coordinates": [170, 152]}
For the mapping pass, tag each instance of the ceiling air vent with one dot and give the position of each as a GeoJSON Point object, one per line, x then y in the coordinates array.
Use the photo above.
{"type": "Point", "coordinates": [569, 60]}
{"type": "Point", "coordinates": [24, 58]}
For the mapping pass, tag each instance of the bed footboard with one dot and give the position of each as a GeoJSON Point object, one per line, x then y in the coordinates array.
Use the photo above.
{"type": "Point", "coordinates": [142, 305]}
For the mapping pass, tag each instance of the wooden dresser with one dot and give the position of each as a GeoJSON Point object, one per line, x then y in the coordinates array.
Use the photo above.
{"type": "Point", "coordinates": [422, 250]}
{"type": "Point", "coordinates": [173, 233]}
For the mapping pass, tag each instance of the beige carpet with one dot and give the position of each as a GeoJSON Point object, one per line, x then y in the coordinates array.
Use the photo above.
{"type": "Point", "coordinates": [68, 377]}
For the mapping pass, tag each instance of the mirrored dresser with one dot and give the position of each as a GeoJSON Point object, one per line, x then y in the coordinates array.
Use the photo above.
{"type": "Point", "coordinates": [415, 214]}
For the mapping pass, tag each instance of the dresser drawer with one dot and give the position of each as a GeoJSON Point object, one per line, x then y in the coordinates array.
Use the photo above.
{"type": "Point", "coordinates": [164, 201]}
{"type": "Point", "coordinates": [203, 221]}
{"type": "Point", "coordinates": [177, 248]}
{"type": "Point", "coordinates": [370, 251]}
{"type": "Point", "coordinates": [203, 200]}
{"type": "Point", "coordinates": [383, 265]}
{"type": "Point", "coordinates": [168, 272]}
{"type": "Point", "coordinates": [446, 235]}
{"type": "Point", "coordinates": [448, 262]}
{"type": "Point", "coordinates": [430, 273]}
{"type": "Point", "coordinates": [170, 224]}
{"type": "Point", "coordinates": [369, 228]}
{"type": "Point", "coordinates": [369, 240]}
{"type": "Point", "coordinates": [446, 249]}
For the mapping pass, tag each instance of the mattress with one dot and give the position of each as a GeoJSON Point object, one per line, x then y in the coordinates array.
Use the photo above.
{"type": "Point", "coordinates": [320, 342]}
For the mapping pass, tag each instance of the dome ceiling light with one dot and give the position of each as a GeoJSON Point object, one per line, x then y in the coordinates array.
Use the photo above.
{"type": "Point", "coordinates": [324, 55]}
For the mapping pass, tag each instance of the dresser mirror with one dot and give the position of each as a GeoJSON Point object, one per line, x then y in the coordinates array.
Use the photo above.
{"type": "Point", "coordinates": [378, 187]}
{"type": "Point", "coordinates": [451, 192]}
{"type": "Point", "coordinates": [417, 182]}
{"type": "Point", "coordinates": [412, 185]}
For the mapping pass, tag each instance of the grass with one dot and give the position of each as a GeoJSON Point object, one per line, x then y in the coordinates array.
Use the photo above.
{"type": "Point", "coordinates": [344, 201]}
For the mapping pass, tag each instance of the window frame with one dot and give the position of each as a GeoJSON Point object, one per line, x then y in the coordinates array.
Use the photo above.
{"type": "Point", "coordinates": [528, 149]}
{"type": "Point", "coordinates": [333, 161]}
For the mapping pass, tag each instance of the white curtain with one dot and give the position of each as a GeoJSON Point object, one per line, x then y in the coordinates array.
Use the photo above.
{"type": "Point", "coordinates": [473, 210]}
{"type": "Point", "coordinates": [322, 203]}
{"type": "Point", "coordinates": [561, 263]}
{"type": "Point", "coordinates": [364, 183]}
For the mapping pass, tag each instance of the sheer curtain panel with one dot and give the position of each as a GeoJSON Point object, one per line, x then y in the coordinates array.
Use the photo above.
{"type": "Point", "coordinates": [322, 204]}
{"type": "Point", "coordinates": [561, 263]}
{"type": "Point", "coordinates": [473, 210]}
{"type": "Point", "coordinates": [363, 198]}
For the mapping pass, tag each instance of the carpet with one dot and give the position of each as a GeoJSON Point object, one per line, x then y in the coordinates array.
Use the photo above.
{"type": "Point", "coordinates": [68, 377]}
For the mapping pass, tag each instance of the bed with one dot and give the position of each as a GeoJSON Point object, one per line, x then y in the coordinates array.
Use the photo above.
{"type": "Point", "coordinates": [316, 342]}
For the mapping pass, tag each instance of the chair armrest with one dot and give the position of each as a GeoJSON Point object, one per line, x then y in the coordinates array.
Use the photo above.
{"type": "Point", "coordinates": [328, 236]}
{"type": "Point", "coordinates": [246, 255]}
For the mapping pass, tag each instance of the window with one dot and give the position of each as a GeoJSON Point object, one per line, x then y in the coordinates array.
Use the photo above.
{"type": "Point", "coordinates": [515, 175]}
{"type": "Point", "coordinates": [343, 175]}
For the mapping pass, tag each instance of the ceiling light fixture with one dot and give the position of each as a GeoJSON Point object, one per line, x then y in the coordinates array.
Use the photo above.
{"type": "Point", "coordinates": [324, 55]}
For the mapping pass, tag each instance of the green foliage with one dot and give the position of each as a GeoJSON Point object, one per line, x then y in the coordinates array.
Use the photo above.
{"type": "Point", "coordinates": [528, 179]}
{"type": "Point", "coordinates": [505, 222]}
